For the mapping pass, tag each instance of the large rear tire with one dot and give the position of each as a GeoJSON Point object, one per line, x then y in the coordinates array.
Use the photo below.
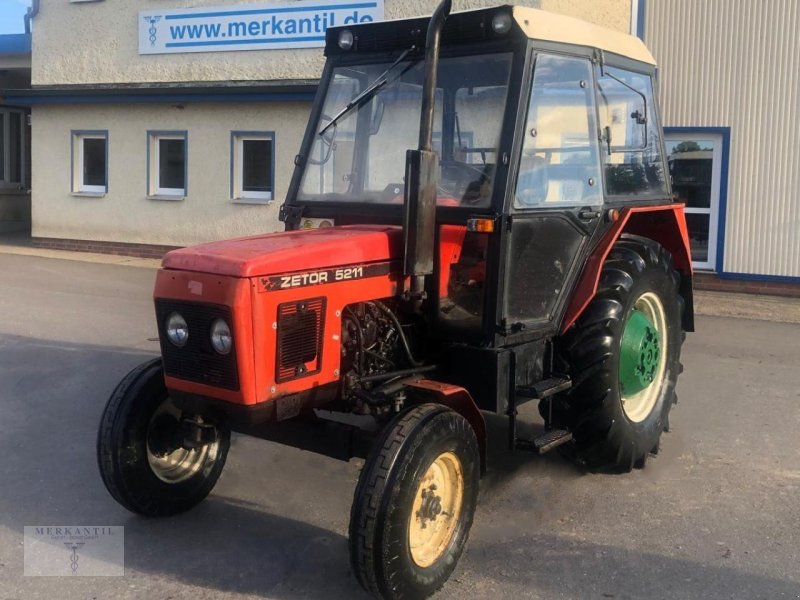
{"type": "Point", "coordinates": [623, 355]}
{"type": "Point", "coordinates": [139, 449]}
{"type": "Point", "coordinates": [414, 503]}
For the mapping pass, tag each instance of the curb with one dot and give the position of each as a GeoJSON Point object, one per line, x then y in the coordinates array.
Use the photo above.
{"type": "Point", "coordinates": [779, 309]}
{"type": "Point", "coordinates": [90, 257]}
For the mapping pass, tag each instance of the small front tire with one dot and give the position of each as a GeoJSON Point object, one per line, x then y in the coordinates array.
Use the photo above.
{"type": "Point", "coordinates": [140, 454]}
{"type": "Point", "coordinates": [414, 503]}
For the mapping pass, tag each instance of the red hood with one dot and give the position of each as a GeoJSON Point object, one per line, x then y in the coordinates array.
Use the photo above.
{"type": "Point", "coordinates": [301, 250]}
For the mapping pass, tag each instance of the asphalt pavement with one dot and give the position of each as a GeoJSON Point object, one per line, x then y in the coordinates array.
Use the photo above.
{"type": "Point", "coordinates": [715, 515]}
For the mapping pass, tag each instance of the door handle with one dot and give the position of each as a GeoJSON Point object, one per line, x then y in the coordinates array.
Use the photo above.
{"type": "Point", "coordinates": [588, 214]}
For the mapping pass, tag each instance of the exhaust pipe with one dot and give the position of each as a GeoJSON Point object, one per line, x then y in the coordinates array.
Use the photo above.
{"type": "Point", "coordinates": [422, 170]}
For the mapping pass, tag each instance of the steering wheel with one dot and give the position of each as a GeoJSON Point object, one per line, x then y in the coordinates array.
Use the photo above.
{"type": "Point", "coordinates": [532, 182]}
{"type": "Point", "coordinates": [468, 183]}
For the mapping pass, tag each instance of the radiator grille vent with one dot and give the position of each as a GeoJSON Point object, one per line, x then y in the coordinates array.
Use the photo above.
{"type": "Point", "coordinates": [300, 329]}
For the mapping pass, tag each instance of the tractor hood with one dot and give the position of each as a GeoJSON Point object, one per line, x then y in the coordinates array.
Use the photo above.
{"type": "Point", "coordinates": [289, 251]}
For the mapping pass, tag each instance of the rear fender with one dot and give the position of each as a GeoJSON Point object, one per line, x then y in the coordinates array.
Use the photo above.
{"type": "Point", "coordinates": [664, 224]}
{"type": "Point", "coordinates": [460, 400]}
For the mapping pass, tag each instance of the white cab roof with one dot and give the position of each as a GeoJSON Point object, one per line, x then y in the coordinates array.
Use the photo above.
{"type": "Point", "coordinates": [550, 27]}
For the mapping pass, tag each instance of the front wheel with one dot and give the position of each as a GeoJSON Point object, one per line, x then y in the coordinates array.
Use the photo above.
{"type": "Point", "coordinates": [140, 450]}
{"type": "Point", "coordinates": [414, 503]}
{"type": "Point", "coordinates": [623, 355]}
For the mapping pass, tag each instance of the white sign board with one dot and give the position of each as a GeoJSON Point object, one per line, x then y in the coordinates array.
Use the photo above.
{"type": "Point", "coordinates": [301, 24]}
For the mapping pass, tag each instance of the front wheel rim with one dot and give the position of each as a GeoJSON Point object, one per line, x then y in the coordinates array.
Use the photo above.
{"type": "Point", "coordinates": [436, 510]}
{"type": "Point", "coordinates": [177, 464]}
{"type": "Point", "coordinates": [643, 357]}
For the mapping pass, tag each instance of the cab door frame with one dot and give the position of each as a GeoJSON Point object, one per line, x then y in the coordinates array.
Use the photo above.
{"type": "Point", "coordinates": [583, 220]}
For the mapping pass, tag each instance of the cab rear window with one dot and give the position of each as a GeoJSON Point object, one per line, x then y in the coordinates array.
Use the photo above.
{"type": "Point", "coordinates": [633, 162]}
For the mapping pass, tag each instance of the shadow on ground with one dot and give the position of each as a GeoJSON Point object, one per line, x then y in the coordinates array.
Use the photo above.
{"type": "Point", "coordinates": [51, 398]}
{"type": "Point", "coordinates": [570, 568]}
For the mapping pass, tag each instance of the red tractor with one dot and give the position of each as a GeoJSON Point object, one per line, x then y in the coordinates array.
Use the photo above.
{"type": "Point", "coordinates": [529, 248]}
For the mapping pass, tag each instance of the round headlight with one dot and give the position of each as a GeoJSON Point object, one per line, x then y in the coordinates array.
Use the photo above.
{"type": "Point", "coordinates": [177, 330]}
{"type": "Point", "coordinates": [221, 338]}
{"type": "Point", "coordinates": [501, 22]}
{"type": "Point", "coordinates": [345, 39]}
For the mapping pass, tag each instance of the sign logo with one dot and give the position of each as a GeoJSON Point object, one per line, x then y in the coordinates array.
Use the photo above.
{"type": "Point", "coordinates": [58, 550]}
{"type": "Point", "coordinates": [301, 24]}
{"type": "Point", "coordinates": [153, 32]}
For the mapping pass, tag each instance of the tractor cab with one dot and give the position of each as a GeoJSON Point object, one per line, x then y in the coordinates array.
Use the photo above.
{"type": "Point", "coordinates": [541, 124]}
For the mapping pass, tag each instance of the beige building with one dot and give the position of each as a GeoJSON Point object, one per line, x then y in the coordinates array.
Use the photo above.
{"type": "Point", "coordinates": [171, 149]}
{"type": "Point", "coordinates": [161, 141]}
{"type": "Point", "coordinates": [730, 98]}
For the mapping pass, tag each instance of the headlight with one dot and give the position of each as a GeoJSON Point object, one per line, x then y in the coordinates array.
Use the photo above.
{"type": "Point", "coordinates": [345, 39]}
{"type": "Point", "coordinates": [501, 22]}
{"type": "Point", "coordinates": [221, 338]}
{"type": "Point", "coordinates": [177, 330]}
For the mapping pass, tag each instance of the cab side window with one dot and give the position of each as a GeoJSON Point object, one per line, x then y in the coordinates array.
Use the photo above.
{"type": "Point", "coordinates": [560, 154]}
{"type": "Point", "coordinates": [632, 159]}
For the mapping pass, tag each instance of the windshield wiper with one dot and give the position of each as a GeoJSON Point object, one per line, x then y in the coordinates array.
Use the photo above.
{"type": "Point", "coordinates": [372, 89]}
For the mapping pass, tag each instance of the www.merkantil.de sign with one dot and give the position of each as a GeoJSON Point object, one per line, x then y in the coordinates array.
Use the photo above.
{"type": "Point", "coordinates": [249, 27]}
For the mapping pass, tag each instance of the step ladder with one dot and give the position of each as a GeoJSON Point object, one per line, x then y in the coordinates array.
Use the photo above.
{"type": "Point", "coordinates": [551, 438]}
{"type": "Point", "coordinates": [545, 388]}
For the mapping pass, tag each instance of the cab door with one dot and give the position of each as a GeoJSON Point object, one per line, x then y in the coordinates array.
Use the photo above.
{"type": "Point", "coordinates": [556, 198]}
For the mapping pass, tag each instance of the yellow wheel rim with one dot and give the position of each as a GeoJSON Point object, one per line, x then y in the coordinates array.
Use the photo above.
{"type": "Point", "coordinates": [436, 510]}
{"type": "Point", "coordinates": [176, 464]}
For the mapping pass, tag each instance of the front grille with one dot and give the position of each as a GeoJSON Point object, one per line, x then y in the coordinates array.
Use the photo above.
{"type": "Point", "coordinates": [197, 361]}
{"type": "Point", "coordinates": [300, 329]}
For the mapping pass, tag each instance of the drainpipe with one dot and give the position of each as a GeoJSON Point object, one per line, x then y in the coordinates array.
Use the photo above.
{"type": "Point", "coordinates": [33, 10]}
{"type": "Point", "coordinates": [422, 171]}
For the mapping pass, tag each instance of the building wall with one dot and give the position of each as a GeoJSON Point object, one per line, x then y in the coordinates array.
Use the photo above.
{"type": "Point", "coordinates": [725, 63]}
{"type": "Point", "coordinates": [125, 213]}
{"type": "Point", "coordinates": [97, 42]}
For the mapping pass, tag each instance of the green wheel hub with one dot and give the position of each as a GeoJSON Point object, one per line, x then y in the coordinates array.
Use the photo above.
{"type": "Point", "coordinates": [639, 354]}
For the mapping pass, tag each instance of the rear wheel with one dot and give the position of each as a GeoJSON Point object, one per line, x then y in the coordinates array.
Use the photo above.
{"type": "Point", "coordinates": [141, 453]}
{"type": "Point", "coordinates": [414, 503]}
{"type": "Point", "coordinates": [623, 355]}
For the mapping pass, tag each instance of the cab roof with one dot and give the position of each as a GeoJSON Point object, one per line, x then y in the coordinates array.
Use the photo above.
{"type": "Point", "coordinates": [551, 27]}
{"type": "Point", "coordinates": [474, 26]}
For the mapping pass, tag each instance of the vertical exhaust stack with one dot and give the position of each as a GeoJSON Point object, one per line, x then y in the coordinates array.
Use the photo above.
{"type": "Point", "coordinates": [422, 170]}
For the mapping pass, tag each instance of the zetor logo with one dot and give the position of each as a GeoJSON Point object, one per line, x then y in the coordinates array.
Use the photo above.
{"type": "Point", "coordinates": [285, 282]}
{"type": "Point", "coordinates": [290, 281]}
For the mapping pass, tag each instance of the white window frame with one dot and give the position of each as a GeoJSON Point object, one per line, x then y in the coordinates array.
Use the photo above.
{"type": "Point", "coordinates": [5, 181]}
{"type": "Point", "coordinates": [237, 167]}
{"type": "Point", "coordinates": [716, 177]}
{"type": "Point", "coordinates": [154, 191]}
{"type": "Point", "coordinates": [78, 137]}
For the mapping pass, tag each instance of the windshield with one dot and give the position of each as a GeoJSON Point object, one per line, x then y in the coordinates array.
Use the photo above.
{"type": "Point", "coordinates": [361, 157]}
